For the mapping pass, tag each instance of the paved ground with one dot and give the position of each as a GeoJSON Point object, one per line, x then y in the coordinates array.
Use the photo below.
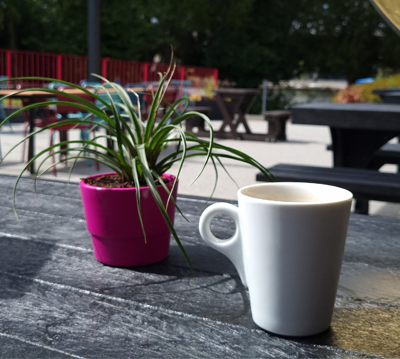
{"type": "Point", "coordinates": [305, 145]}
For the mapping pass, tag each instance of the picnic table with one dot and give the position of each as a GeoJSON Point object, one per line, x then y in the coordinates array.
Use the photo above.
{"type": "Point", "coordinates": [56, 300]}
{"type": "Point", "coordinates": [358, 130]}
{"type": "Point", "coordinates": [235, 104]}
{"type": "Point", "coordinates": [389, 95]}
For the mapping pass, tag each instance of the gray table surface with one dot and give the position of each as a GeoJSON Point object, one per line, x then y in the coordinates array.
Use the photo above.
{"type": "Point", "coordinates": [57, 301]}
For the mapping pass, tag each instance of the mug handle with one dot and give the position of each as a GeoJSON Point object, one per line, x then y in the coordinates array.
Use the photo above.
{"type": "Point", "coordinates": [231, 247]}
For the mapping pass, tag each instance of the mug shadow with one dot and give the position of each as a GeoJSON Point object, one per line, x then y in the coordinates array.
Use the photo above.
{"type": "Point", "coordinates": [213, 282]}
{"type": "Point", "coordinates": [206, 262]}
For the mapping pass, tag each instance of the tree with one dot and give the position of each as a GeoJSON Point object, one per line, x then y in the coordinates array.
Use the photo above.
{"type": "Point", "coordinates": [247, 40]}
{"type": "Point", "coordinates": [343, 38]}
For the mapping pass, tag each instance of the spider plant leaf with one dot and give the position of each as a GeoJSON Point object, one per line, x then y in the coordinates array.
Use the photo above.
{"type": "Point", "coordinates": [139, 110]}
{"type": "Point", "coordinates": [48, 149]}
{"type": "Point", "coordinates": [172, 110]}
{"type": "Point", "coordinates": [77, 98]}
{"type": "Point", "coordinates": [241, 156]}
{"type": "Point", "coordinates": [215, 181]}
{"type": "Point", "coordinates": [95, 152]}
{"type": "Point", "coordinates": [54, 125]}
{"type": "Point", "coordinates": [117, 123]}
{"type": "Point", "coordinates": [76, 159]}
{"type": "Point", "coordinates": [103, 159]}
{"type": "Point", "coordinates": [72, 158]}
{"type": "Point", "coordinates": [153, 111]}
{"type": "Point", "coordinates": [136, 138]}
{"type": "Point", "coordinates": [159, 178]}
{"type": "Point", "coordinates": [128, 108]}
{"type": "Point", "coordinates": [227, 172]}
{"type": "Point", "coordinates": [46, 103]}
{"type": "Point", "coordinates": [188, 115]}
{"type": "Point", "coordinates": [161, 128]}
{"type": "Point", "coordinates": [137, 184]}
{"type": "Point", "coordinates": [183, 157]}
{"type": "Point", "coordinates": [150, 182]}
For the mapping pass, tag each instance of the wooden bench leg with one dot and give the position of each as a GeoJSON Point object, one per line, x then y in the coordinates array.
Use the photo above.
{"type": "Point", "coordinates": [361, 206]}
{"type": "Point", "coordinates": [276, 125]}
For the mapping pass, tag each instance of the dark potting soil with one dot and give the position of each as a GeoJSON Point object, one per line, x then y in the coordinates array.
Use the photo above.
{"type": "Point", "coordinates": [114, 181]}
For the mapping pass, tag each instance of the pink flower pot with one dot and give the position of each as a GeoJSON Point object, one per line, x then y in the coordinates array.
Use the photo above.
{"type": "Point", "coordinates": [113, 222]}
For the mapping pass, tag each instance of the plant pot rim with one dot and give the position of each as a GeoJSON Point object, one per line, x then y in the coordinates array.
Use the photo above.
{"type": "Point", "coordinates": [97, 188]}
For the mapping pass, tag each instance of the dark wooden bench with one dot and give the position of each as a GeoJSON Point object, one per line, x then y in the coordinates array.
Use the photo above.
{"type": "Point", "coordinates": [364, 184]}
{"type": "Point", "coordinates": [389, 153]}
{"type": "Point", "coordinates": [276, 125]}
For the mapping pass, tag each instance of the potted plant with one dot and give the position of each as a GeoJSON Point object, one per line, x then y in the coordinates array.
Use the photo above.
{"type": "Point", "coordinates": [130, 211]}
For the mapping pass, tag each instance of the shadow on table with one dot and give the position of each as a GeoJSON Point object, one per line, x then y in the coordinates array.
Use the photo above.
{"type": "Point", "coordinates": [206, 262]}
{"type": "Point", "coordinates": [19, 259]}
{"type": "Point", "coordinates": [213, 290]}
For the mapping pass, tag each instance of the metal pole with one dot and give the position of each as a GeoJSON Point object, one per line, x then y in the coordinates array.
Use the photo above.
{"type": "Point", "coordinates": [93, 39]}
{"type": "Point", "coordinates": [264, 96]}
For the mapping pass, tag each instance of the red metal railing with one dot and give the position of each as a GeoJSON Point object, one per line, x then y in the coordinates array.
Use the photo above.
{"type": "Point", "coordinates": [124, 71]}
{"type": "Point", "coordinates": [3, 63]}
{"type": "Point", "coordinates": [73, 68]}
{"type": "Point", "coordinates": [26, 63]}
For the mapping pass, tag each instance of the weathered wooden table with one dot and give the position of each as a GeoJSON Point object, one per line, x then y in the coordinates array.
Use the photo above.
{"type": "Point", "coordinates": [358, 130]}
{"type": "Point", "coordinates": [240, 102]}
{"type": "Point", "coordinates": [57, 301]}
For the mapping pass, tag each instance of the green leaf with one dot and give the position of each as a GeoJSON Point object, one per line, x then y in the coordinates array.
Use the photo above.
{"type": "Point", "coordinates": [137, 184]}
{"type": "Point", "coordinates": [150, 182]}
{"type": "Point", "coordinates": [153, 110]}
{"type": "Point", "coordinates": [159, 178]}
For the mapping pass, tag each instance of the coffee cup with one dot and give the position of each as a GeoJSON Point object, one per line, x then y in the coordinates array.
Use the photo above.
{"type": "Point", "coordinates": [287, 248]}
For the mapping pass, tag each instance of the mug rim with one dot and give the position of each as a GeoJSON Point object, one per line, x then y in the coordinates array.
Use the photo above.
{"type": "Point", "coordinates": [346, 194]}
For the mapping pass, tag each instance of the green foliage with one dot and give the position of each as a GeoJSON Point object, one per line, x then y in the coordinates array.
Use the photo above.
{"type": "Point", "coordinates": [248, 41]}
{"type": "Point", "coordinates": [138, 142]}
{"type": "Point", "coordinates": [346, 38]}
{"type": "Point", "coordinates": [44, 25]}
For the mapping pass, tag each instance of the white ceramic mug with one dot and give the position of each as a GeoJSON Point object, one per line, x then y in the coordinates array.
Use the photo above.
{"type": "Point", "coordinates": [288, 249]}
